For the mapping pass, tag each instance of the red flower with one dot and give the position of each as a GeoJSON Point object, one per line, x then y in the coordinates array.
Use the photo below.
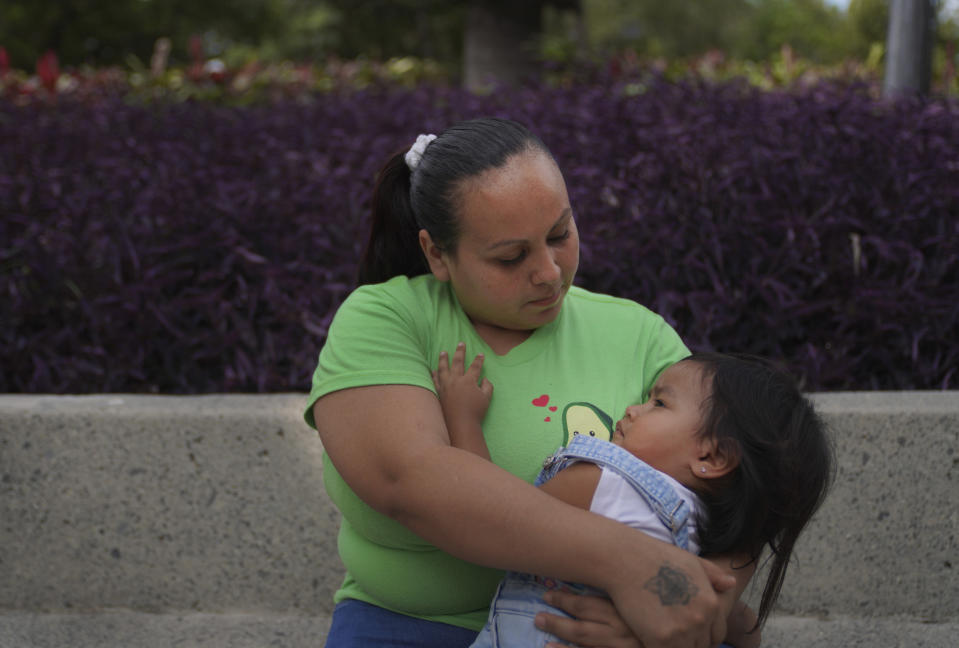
{"type": "Point", "coordinates": [48, 69]}
{"type": "Point", "coordinates": [195, 71]}
{"type": "Point", "coordinates": [196, 48]}
{"type": "Point", "coordinates": [4, 62]}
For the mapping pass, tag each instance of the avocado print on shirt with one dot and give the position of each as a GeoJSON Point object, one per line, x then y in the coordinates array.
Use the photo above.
{"type": "Point", "coordinates": [580, 418]}
{"type": "Point", "coordinates": [586, 418]}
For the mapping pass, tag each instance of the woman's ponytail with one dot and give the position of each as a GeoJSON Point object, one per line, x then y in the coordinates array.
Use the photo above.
{"type": "Point", "coordinates": [393, 247]}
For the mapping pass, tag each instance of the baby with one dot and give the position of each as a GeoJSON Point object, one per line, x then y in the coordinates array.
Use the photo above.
{"type": "Point", "coordinates": [725, 457]}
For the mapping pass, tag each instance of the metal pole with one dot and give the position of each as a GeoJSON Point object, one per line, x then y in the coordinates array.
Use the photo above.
{"type": "Point", "coordinates": [909, 47]}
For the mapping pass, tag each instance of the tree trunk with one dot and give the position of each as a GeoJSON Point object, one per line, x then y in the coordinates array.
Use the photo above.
{"type": "Point", "coordinates": [500, 42]}
{"type": "Point", "coordinates": [909, 47]}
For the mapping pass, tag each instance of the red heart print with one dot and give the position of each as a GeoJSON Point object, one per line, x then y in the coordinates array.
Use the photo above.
{"type": "Point", "coordinates": [552, 408]}
{"type": "Point", "coordinates": [541, 401]}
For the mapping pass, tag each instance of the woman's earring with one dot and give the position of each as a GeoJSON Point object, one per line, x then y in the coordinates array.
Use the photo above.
{"type": "Point", "coordinates": [702, 469]}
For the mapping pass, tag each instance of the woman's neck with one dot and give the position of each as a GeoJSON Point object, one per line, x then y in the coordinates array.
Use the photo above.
{"type": "Point", "coordinates": [500, 340]}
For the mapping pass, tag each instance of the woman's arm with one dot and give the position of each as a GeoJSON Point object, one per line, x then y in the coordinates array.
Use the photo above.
{"type": "Point", "coordinates": [391, 446]}
{"type": "Point", "coordinates": [597, 618]}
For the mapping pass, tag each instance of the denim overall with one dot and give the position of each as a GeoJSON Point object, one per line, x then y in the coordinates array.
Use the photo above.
{"type": "Point", "coordinates": [520, 596]}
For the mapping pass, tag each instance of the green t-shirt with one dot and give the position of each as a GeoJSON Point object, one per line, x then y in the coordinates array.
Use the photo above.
{"type": "Point", "coordinates": [580, 372]}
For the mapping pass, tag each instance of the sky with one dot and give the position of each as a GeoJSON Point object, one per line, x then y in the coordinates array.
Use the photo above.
{"type": "Point", "coordinates": [951, 5]}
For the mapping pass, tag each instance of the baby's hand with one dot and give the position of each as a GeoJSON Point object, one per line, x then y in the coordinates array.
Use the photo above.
{"type": "Point", "coordinates": [463, 397]}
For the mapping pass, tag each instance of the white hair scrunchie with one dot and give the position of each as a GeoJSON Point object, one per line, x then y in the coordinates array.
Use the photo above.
{"type": "Point", "coordinates": [415, 154]}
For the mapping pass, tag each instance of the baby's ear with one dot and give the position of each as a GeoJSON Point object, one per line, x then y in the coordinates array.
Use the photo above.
{"type": "Point", "coordinates": [434, 256]}
{"type": "Point", "coordinates": [716, 458]}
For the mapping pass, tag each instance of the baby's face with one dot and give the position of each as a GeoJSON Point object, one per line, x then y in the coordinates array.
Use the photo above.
{"type": "Point", "coordinates": [663, 431]}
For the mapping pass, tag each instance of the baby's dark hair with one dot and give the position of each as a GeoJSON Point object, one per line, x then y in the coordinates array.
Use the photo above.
{"type": "Point", "coordinates": [756, 412]}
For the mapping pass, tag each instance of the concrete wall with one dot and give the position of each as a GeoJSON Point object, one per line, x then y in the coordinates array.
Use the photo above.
{"type": "Point", "coordinates": [886, 541]}
{"type": "Point", "coordinates": [210, 503]}
{"type": "Point", "coordinates": [215, 504]}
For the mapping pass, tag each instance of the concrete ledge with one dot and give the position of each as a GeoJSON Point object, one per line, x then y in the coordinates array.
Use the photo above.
{"type": "Point", "coordinates": [126, 629]}
{"type": "Point", "coordinates": [886, 541]}
{"type": "Point", "coordinates": [210, 503]}
{"type": "Point", "coordinates": [171, 506]}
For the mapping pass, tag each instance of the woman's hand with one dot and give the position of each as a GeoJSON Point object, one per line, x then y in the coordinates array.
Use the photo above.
{"type": "Point", "coordinates": [671, 598]}
{"type": "Point", "coordinates": [595, 622]}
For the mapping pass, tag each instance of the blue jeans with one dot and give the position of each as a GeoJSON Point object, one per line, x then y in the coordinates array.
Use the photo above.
{"type": "Point", "coordinates": [518, 598]}
{"type": "Point", "coordinates": [357, 625]}
{"type": "Point", "coordinates": [360, 625]}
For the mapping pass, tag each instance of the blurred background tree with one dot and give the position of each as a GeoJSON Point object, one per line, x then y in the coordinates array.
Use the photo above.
{"type": "Point", "coordinates": [869, 22]}
{"type": "Point", "coordinates": [752, 29]}
{"type": "Point", "coordinates": [99, 32]}
{"type": "Point", "coordinates": [813, 29]}
{"type": "Point", "coordinates": [103, 33]}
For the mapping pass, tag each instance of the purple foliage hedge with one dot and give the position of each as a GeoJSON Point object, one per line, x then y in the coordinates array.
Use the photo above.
{"type": "Point", "coordinates": [193, 248]}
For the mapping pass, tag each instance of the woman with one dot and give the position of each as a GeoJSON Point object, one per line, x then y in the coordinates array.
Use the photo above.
{"type": "Point", "coordinates": [473, 238]}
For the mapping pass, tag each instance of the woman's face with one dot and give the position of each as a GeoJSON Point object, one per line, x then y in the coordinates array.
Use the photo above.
{"type": "Point", "coordinates": [518, 248]}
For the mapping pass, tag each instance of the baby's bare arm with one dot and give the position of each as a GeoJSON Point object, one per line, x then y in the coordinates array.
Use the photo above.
{"type": "Point", "coordinates": [575, 484]}
{"type": "Point", "coordinates": [464, 399]}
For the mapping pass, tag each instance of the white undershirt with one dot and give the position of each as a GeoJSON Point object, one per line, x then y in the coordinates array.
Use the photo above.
{"type": "Point", "coordinates": [615, 498]}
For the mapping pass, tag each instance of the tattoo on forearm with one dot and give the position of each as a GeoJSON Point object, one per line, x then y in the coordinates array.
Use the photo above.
{"type": "Point", "coordinates": [672, 586]}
